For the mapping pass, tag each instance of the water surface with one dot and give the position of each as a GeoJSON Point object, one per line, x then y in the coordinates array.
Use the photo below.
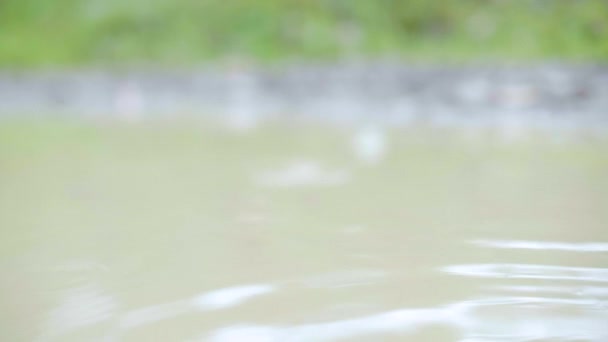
{"type": "Point", "coordinates": [186, 232]}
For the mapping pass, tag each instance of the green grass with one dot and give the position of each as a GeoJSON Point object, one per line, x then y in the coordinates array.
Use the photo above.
{"type": "Point", "coordinates": [37, 33]}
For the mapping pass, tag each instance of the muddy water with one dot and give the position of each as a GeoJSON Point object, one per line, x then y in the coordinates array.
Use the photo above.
{"type": "Point", "coordinates": [159, 232]}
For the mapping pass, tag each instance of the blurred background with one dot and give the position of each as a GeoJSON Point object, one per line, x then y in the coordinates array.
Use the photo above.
{"type": "Point", "coordinates": [185, 32]}
{"type": "Point", "coordinates": [291, 170]}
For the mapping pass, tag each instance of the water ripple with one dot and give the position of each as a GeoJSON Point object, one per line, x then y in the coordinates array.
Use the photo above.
{"type": "Point", "coordinates": [529, 271]}
{"type": "Point", "coordinates": [471, 319]}
{"type": "Point", "coordinates": [592, 247]}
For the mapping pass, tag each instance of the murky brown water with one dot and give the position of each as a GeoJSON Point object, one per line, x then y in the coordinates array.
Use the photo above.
{"type": "Point", "coordinates": [184, 233]}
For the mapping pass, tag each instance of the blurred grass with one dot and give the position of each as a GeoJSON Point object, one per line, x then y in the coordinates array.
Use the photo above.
{"type": "Point", "coordinates": [187, 32]}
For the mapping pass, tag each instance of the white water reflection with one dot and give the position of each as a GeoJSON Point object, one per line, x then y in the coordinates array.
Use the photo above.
{"type": "Point", "coordinates": [592, 291]}
{"type": "Point", "coordinates": [473, 320]}
{"type": "Point", "coordinates": [90, 305]}
{"type": "Point", "coordinates": [526, 271]}
{"type": "Point", "coordinates": [541, 312]}
{"type": "Point", "coordinates": [563, 313]}
{"type": "Point", "coordinates": [80, 307]}
{"type": "Point", "coordinates": [213, 300]}
{"type": "Point", "coordinates": [231, 296]}
{"type": "Point", "coordinates": [591, 247]}
{"type": "Point", "coordinates": [300, 173]}
{"type": "Point", "coordinates": [370, 144]}
{"type": "Point", "coordinates": [546, 312]}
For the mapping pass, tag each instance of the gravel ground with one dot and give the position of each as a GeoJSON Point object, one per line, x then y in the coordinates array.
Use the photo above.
{"type": "Point", "coordinates": [550, 95]}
